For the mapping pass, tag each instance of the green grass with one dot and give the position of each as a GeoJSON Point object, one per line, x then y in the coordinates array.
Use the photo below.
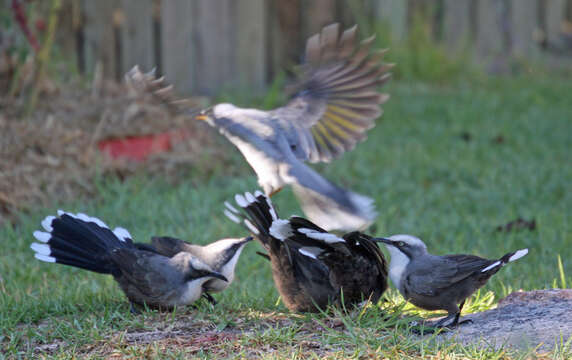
{"type": "Point", "coordinates": [426, 181]}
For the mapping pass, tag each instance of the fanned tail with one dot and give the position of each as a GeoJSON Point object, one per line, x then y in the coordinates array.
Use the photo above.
{"type": "Point", "coordinates": [79, 240]}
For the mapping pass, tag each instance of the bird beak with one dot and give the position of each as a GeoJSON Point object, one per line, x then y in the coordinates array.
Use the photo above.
{"type": "Point", "coordinates": [215, 275]}
{"type": "Point", "coordinates": [247, 239]}
{"type": "Point", "coordinates": [384, 240]}
{"type": "Point", "coordinates": [202, 117]}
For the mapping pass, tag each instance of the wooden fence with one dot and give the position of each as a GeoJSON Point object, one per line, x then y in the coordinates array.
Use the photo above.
{"type": "Point", "coordinates": [205, 46]}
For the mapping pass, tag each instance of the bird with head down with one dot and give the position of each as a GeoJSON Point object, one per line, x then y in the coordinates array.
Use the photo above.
{"type": "Point", "coordinates": [334, 102]}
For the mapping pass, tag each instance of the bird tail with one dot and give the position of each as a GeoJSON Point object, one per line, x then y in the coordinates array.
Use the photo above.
{"type": "Point", "coordinates": [257, 215]}
{"type": "Point", "coordinates": [79, 240]}
{"type": "Point", "coordinates": [510, 257]}
{"type": "Point", "coordinates": [334, 208]}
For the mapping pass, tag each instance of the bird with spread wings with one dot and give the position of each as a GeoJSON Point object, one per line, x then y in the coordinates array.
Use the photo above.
{"type": "Point", "coordinates": [334, 102]}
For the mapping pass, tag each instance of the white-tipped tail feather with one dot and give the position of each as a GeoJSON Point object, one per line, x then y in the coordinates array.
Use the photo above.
{"type": "Point", "coordinates": [491, 266]}
{"type": "Point", "coordinates": [45, 258]}
{"type": "Point", "coordinates": [311, 252]}
{"type": "Point", "coordinates": [122, 234]}
{"type": "Point", "coordinates": [517, 255]}
{"type": "Point", "coordinates": [47, 223]}
{"type": "Point", "coordinates": [240, 200]}
{"type": "Point", "coordinates": [231, 216]}
{"type": "Point", "coordinates": [41, 249]}
{"type": "Point", "coordinates": [42, 236]}
{"type": "Point", "coordinates": [251, 227]}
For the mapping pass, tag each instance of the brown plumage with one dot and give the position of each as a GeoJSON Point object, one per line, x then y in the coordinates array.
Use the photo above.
{"type": "Point", "coordinates": [311, 267]}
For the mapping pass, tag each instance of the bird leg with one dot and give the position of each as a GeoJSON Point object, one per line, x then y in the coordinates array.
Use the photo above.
{"type": "Point", "coordinates": [209, 298]}
{"type": "Point", "coordinates": [274, 192]}
{"type": "Point", "coordinates": [133, 309]}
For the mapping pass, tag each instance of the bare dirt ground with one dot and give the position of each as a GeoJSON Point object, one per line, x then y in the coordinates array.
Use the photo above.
{"type": "Point", "coordinates": [522, 320]}
{"type": "Point", "coordinates": [53, 153]}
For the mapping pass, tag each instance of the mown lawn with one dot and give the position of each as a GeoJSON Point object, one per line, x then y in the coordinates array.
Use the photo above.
{"type": "Point", "coordinates": [447, 163]}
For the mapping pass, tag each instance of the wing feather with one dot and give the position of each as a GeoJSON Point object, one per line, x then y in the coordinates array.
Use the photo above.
{"type": "Point", "coordinates": [337, 100]}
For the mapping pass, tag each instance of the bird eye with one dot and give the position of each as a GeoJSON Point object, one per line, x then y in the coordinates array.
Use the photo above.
{"type": "Point", "coordinates": [400, 244]}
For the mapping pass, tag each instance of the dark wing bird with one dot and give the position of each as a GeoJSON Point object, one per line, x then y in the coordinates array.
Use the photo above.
{"type": "Point", "coordinates": [336, 99]}
{"type": "Point", "coordinates": [429, 277]}
{"type": "Point", "coordinates": [169, 246]}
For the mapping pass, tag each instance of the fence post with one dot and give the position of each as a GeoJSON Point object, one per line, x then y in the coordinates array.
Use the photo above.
{"type": "Point", "coordinates": [176, 44]}
{"type": "Point", "coordinates": [457, 24]}
{"type": "Point", "coordinates": [523, 24]}
{"type": "Point", "coordinates": [394, 14]}
{"type": "Point", "coordinates": [99, 34]}
{"type": "Point", "coordinates": [137, 34]}
{"type": "Point", "coordinates": [250, 44]}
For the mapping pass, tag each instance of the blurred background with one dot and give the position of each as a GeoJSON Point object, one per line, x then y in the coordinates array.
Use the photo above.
{"type": "Point", "coordinates": [63, 101]}
{"type": "Point", "coordinates": [207, 46]}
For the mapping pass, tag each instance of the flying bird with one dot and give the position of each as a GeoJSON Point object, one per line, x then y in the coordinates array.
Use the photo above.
{"type": "Point", "coordinates": [311, 267]}
{"type": "Point", "coordinates": [147, 275]}
{"type": "Point", "coordinates": [434, 282]}
{"type": "Point", "coordinates": [335, 101]}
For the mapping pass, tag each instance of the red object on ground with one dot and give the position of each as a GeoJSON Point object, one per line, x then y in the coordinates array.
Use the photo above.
{"type": "Point", "coordinates": [139, 148]}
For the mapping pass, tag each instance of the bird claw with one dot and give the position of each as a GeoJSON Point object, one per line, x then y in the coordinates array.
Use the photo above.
{"type": "Point", "coordinates": [133, 310]}
{"type": "Point", "coordinates": [466, 321]}
{"type": "Point", "coordinates": [209, 298]}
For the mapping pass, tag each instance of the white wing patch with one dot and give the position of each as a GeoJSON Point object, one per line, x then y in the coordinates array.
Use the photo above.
{"type": "Point", "coordinates": [317, 235]}
{"type": "Point", "coordinates": [309, 251]}
{"type": "Point", "coordinates": [281, 229]}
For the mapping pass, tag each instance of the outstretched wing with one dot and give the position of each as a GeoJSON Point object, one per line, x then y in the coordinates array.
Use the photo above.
{"type": "Point", "coordinates": [336, 99]}
{"type": "Point", "coordinates": [148, 84]}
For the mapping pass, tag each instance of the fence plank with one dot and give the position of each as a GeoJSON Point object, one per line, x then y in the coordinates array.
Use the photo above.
{"type": "Point", "coordinates": [99, 36]}
{"type": "Point", "coordinates": [394, 13]}
{"type": "Point", "coordinates": [491, 28]}
{"type": "Point", "coordinates": [213, 44]}
{"type": "Point", "coordinates": [457, 24]}
{"type": "Point", "coordinates": [176, 44]}
{"type": "Point", "coordinates": [523, 22]}
{"type": "Point", "coordinates": [554, 16]}
{"type": "Point", "coordinates": [287, 44]}
{"type": "Point", "coordinates": [137, 34]}
{"type": "Point", "coordinates": [317, 14]}
{"type": "Point", "coordinates": [250, 40]}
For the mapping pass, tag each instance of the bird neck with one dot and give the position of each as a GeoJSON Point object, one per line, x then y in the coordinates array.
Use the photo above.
{"type": "Point", "coordinates": [397, 266]}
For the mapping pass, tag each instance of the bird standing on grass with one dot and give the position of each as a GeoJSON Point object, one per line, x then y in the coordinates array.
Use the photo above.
{"type": "Point", "coordinates": [311, 267]}
{"type": "Point", "coordinates": [335, 101]}
{"type": "Point", "coordinates": [439, 282]}
{"type": "Point", "coordinates": [221, 256]}
{"type": "Point", "coordinates": [146, 276]}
